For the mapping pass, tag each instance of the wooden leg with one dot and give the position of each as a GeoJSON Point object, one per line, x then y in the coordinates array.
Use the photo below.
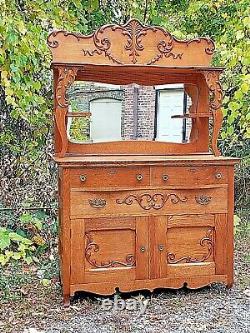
{"type": "Point", "coordinates": [66, 300]}
{"type": "Point", "coordinates": [229, 284]}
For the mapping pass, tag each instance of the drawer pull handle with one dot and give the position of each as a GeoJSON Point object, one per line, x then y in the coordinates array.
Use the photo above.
{"type": "Point", "coordinates": [83, 178]}
{"type": "Point", "coordinates": [139, 177]}
{"type": "Point", "coordinates": [143, 249]}
{"type": "Point", "coordinates": [160, 247]}
{"type": "Point", "coordinates": [203, 199]}
{"type": "Point", "coordinates": [218, 175]}
{"type": "Point", "coordinates": [97, 203]}
{"type": "Point", "coordinates": [165, 177]}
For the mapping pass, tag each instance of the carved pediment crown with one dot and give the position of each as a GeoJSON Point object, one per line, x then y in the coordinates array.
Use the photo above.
{"type": "Point", "coordinates": [129, 44]}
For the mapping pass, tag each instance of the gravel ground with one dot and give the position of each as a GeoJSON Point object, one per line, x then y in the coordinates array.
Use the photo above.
{"type": "Point", "coordinates": [212, 309]}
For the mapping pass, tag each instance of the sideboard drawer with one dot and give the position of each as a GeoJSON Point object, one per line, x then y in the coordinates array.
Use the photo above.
{"type": "Point", "coordinates": [188, 175]}
{"type": "Point", "coordinates": [154, 202]}
{"type": "Point", "coordinates": [109, 177]}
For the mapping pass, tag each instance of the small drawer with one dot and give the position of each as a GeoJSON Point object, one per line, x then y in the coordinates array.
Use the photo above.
{"type": "Point", "coordinates": [140, 202]}
{"type": "Point", "coordinates": [188, 176]}
{"type": "Point", "coordinates": [109, 177]}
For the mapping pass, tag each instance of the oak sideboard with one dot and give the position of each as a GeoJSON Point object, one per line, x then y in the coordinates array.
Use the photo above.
{"type": "Point", "coordinates": [145, 199]}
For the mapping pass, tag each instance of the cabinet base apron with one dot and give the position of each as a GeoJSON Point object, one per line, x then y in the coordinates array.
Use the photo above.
{"type": "Point", "coordinates": [107, 288]}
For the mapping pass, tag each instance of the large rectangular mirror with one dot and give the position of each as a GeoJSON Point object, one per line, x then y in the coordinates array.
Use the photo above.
{"type": "Point", "coordinates": [101, 112]}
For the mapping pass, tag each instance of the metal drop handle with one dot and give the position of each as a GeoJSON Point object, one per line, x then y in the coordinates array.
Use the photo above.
{"type": "Point", "coordinates": [97, 202]}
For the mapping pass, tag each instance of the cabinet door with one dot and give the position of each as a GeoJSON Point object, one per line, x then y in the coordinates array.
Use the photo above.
{"type": "Point", "coordinates": [188, 245]}
{"type": "Point", "coordinates": [109, 249]}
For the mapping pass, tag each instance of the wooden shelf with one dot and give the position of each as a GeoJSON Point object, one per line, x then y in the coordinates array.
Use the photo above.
{"type": "Point", "coordinates": [195, 115]}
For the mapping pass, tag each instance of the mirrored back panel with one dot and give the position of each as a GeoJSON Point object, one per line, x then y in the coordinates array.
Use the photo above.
{"type": "Point", "coordinates": [101, 112]}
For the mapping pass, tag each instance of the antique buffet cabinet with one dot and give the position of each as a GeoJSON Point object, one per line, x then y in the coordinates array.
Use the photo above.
{"type": "Point", "coordinates": [140, 211]}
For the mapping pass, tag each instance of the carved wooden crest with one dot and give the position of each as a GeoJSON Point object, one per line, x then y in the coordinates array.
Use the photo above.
{"type": "Point", "coordinates": [129, 44]}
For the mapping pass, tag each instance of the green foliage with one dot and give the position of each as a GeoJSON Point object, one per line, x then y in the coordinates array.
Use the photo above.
{"type": "Point", "coordinates": [79, 128]}
{"type": "Point", "coordinates": [14, 246]}
{"type": "Point", "coordinates": [228, 23]}
{"type": "Point", "coordinates": [23, 238]}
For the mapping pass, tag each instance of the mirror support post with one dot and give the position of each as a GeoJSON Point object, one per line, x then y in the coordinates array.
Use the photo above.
{"type": "Point", "coordinates": [215, 100]}
{"type": "Point", "coordinates": [66, 76]}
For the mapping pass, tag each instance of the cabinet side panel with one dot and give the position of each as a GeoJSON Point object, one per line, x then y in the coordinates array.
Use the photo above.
{"type": "Point", "coordinates": [220, 243]}
{"type": "Point", "coordinates": [230, 229]}
{"type": "Point", "coordinates": [65, 231]}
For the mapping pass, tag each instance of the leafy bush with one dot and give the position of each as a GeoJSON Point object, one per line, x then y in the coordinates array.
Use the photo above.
{"type": "Point", "coordinates": [26, 236]}
{"type": "Point", "coordinates": [14, 246]}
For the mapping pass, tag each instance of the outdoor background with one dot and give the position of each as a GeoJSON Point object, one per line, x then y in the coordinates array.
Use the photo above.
{"type": "Point", "coordinates": [28, 175]}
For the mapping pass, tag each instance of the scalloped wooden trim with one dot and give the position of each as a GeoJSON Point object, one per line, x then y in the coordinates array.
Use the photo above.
{"type": "Point", "coordinates": [107, 288]}
{"type": "Point", "coordinates": [130, 44]}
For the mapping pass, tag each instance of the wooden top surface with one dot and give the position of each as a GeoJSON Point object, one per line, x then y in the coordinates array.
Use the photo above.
{"type": "Point", "coordinates": [145, 159]}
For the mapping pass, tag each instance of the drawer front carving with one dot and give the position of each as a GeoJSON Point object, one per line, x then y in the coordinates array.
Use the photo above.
{"type": "Point", "coordinates": [149, 201]}
{"type": "Point", "coordinates": [188, 175]}
{"type": "Point", "coordinates": [157, 202]}
{"type": "Point", "coordinates": [109, 177]}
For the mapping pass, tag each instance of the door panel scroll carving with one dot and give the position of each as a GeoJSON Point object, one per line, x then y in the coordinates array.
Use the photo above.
{"type": "Point", "coordinates": [206, 241]}
{"type": "Point", "coordinates": [92, 247]}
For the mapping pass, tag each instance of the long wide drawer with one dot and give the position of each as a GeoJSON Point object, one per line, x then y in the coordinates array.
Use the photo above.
{"type": "Point", "coordinates": [154, 202]}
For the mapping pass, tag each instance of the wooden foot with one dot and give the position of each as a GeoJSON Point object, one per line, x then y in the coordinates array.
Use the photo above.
{"type": "Point", "coordinates": [66, 301]}
{"type": "Point", "coordinates": [229, 285]}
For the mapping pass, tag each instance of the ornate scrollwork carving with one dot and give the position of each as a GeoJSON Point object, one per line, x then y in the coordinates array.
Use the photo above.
{"type": "Point", "coordinates": [209, 49]}
{"type": "Point", "coordinates": [134, 31]}
{"type": "Point", "coordinates": [147, 201]}
{"type": "Point", "coordinates": [215, 90]}
{"type": "Point", "coordinates": [54, 43]}
{"type": "Point", "coordinates": [215, 100]}
{"type": "Point", "coordinates": [91, 247]}
{"type": "Point", "coordinates": [203, 199]}
{"type": "Point", "coordinates": [165, 49]}
{"type": "Point", "coordinates": [66, 78]}
{"type": "Point", "coordinates": [133, 37]}
{"type": "Point", "coordinates": [205, 241]}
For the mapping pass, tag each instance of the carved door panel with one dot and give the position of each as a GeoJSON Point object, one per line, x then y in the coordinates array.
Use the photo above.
{"type": "Point", "coordinates": [109, 249]}
{"type": "Point", "coordinates": [188, 245]}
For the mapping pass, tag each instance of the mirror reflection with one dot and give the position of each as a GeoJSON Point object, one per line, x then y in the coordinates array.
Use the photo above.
{"type": "Point", "coordinates": [101, 112]}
